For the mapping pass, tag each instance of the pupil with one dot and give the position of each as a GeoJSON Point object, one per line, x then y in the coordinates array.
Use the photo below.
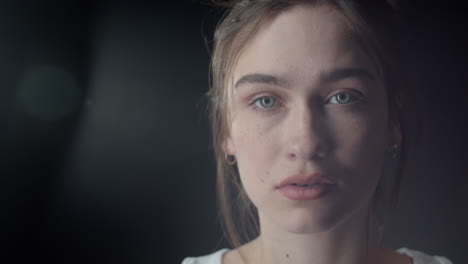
{"type": "Point", "coordinates": [342, 97]}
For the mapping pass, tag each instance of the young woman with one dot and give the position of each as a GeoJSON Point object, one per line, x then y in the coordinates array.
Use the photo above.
{"type": "Point", "coordinates": [306, 105]}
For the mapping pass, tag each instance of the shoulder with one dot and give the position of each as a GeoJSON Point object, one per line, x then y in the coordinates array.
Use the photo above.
{"type": "Point", "coordinates": [213, 258]}
{"type": "Point", "coordinates": [423, 258]}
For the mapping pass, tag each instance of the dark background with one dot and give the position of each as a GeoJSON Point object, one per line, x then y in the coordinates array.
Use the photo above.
{"type": "Point", "coordinates": [104, 140]}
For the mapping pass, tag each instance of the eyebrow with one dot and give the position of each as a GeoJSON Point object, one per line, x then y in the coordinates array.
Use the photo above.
{"type": "Point", "coordinates": [261, 78]}
{"type": "Point", "coordinates": [325, 77]}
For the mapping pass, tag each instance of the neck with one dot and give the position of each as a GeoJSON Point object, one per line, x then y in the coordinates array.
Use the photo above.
{"type": "Point", "coordinates": [345, 243]}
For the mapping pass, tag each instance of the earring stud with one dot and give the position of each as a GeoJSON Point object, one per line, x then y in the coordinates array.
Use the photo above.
{"type": "Point", "coordinates": [395, 151]}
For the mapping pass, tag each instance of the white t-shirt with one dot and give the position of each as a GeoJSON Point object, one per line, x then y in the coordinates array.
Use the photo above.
{"type": "Point", "coordinates": [417, 256]}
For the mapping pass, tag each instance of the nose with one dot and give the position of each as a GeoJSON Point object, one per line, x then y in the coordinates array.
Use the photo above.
{"type": "Point", "coordinates": [307, 137]}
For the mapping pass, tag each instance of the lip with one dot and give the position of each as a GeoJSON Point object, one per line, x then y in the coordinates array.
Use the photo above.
{"type": "Point", "coordinates": [303, 178]}
{"type": "Point", "coordinates": [319, 186]}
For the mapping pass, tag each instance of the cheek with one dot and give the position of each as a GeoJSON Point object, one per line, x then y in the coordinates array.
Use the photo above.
{"type": "Point", "coordinates": [256, 152]}
{"type": "Point", "coordinates": [364, 132]}
{"type": "Point", "coordinates": [254, 141]}
{"type": "Point", "coordinates": [360, 146]}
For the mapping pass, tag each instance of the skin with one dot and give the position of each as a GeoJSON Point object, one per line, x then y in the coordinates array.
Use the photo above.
{"type": "Point", "coordinates": [306, 123]}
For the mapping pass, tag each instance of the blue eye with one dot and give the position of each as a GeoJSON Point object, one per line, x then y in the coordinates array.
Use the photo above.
{"type": "Point", "coordinates": [344, 98]}
{"type": "Point", "coordinates": [265, 102]}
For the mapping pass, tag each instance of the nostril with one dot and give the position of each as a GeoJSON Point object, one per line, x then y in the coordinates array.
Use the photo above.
{"type": "Point", "coordinates": [308, 156]}
{"type": "Point", "coordinates": [318, 155]}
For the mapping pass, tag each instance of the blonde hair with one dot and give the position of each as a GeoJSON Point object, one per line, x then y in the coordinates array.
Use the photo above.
{"type": "Point", "coordinates": [371, 21]}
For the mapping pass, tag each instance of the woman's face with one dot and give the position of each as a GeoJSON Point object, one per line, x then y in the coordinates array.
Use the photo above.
{"type": "Point", "coordinates": [307, 100]}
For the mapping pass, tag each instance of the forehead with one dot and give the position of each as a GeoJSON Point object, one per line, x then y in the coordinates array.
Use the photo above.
{"type": "Point", "coordinates": [302, 43]}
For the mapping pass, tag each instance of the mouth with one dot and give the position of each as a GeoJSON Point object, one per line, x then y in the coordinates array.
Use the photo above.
{"type": "Point", "coordinates": [305, 180]}
{"type": "Point", "coordinates": [306, 186]}
{"type": "Point", "coordinates": [305, 192]}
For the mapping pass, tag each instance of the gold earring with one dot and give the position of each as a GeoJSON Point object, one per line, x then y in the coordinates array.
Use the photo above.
{"type": "Point", "coordinates": [229, 161]}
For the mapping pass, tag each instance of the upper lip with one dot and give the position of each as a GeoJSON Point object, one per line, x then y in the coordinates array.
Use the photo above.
{"type": "Point", "coordinates": [305, 178]}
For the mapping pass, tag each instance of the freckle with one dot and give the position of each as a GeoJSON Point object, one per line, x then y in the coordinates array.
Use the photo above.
{"type": "Point", "coordinates": [262, 180]}
{"type": "Point", "coordinates": [287, 255]}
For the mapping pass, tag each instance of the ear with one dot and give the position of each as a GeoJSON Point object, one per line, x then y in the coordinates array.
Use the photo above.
{"type": "Point", "coordinates": [228, 146]}
{"type": "Point", "coordinates": [394, 135]}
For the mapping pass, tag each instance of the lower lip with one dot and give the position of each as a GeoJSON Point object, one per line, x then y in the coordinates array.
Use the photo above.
{"type": "Point", "coordinates": [312, 192]}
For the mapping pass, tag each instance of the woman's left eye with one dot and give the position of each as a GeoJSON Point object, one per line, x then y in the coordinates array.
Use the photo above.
{"type": "Point", "coordinates": [345, 97]}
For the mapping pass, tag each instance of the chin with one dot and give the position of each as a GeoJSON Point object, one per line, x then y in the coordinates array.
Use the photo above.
{"type": "Point", "coordinates": [302, 221]}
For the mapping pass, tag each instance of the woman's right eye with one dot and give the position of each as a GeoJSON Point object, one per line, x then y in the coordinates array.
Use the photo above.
{"type": "Point", "coordinates": [265, 102]}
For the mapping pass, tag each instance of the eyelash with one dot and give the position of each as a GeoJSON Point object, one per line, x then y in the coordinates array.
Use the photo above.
{"type": "Point", "coordinates": [358, 96]}
{"type": "Point", "coordinates": [253, 103]}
